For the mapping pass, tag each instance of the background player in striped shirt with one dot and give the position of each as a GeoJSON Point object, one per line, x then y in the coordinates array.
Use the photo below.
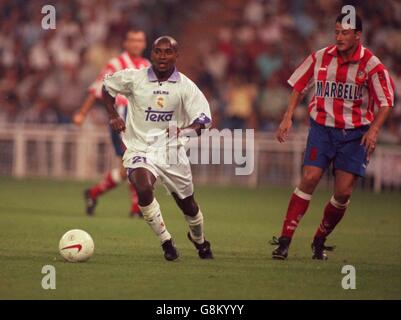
{"type": "Point", "coordinates": [134, 45]}
{"type": "Point", "coordinates": [349, 83]}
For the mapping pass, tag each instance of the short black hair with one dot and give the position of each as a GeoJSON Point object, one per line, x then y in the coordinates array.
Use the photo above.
{"type": "Point", "coordinates": [171, 40]}
{"type": "Point", "coordinates": [358, 20]}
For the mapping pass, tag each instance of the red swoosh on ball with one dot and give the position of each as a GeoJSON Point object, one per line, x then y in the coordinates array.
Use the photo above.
{"type": "Point", "coordinates": [77, 246]}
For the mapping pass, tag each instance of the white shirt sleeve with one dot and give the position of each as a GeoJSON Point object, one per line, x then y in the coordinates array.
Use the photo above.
{"type": "Point", "coordinates": [196, 105]}
{"type": "Point", "coordinates": [120, 82]}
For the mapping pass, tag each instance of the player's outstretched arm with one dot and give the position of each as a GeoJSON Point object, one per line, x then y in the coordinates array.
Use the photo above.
{"type": "Point", "coordinates": [286, 123]}
{"type": "Point", "coordinates": [370, 137]}
{"type": "Point", "coordinates": [80, 115]}
{"type": "Point", "coordinates": [115, 121]}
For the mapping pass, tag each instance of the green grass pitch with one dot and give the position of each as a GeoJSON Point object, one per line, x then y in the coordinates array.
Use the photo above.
{"type": "Point", "coordinates": [128, 261]}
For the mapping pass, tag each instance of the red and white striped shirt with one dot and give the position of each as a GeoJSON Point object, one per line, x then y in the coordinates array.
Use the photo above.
{"type": "Point", "coordinates": [346, 93]}
{"type": "Point", "coordinates": [124, 61]}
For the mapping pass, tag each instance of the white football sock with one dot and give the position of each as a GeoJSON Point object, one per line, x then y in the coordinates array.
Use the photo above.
{"type": "Point", "coordinates": [196, 227]}
{"type": "Point", "coordinates": [153, 217]}
{"type": "Point", "coordinates": [303, 195]}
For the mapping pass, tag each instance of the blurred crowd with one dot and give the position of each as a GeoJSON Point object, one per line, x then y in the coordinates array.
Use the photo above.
{"type": "Point", "coordinates": [247, 64]}
{"type": "Point", "coordinates": [44, 74]}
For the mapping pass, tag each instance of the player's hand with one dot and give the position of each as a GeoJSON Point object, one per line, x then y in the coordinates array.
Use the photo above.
{"type": "Point", "coordinates": [283, 129]}
{"type": "Point", "coordinates": [117, 124]}
{"type": "Point", "coordinates": [78, 118]}
{"type": "Point", "coordinates": [369, 140]}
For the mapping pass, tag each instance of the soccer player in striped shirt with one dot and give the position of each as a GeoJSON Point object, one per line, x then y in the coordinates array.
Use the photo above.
{"type": "Point", "coordinates": [349, 84]}
{"type": "Point", "coordinates": [134, 45]}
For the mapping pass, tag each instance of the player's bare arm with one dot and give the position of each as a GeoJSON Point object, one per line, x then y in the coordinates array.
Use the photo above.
{"type": "Point", "coordinates": [115, 121]}
{"type": "Point", "coordinates": [370, 137]}
{"type": "Point", "coordinates": [286, 123]}
{"type": "Point", "coordinates": [80, 115]}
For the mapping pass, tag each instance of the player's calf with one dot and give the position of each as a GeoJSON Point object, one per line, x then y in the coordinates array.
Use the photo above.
{"type": "Point", "coordinates": [194, 217]}
{"type": "Point", "coordinates": [154, 219]}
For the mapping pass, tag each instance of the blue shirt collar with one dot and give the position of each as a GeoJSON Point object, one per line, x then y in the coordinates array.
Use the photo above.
{"type": "Point", "coordinates": [175, 76]}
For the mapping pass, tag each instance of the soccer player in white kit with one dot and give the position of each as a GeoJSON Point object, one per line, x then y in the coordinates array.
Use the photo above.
{"type": "Point", "coordinates": [159, 96]}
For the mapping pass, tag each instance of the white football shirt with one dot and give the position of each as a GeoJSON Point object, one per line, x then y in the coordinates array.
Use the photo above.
{"type": "Point", "coordinates": [153, 104]}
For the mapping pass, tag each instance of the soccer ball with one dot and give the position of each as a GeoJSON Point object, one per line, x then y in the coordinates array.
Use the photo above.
{"type": "Point", "coordinates": [76, 246]}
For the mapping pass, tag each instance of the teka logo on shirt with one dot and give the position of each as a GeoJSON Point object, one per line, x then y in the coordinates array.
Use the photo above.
{"type": "Point", "coordinates": [157, 116]}
{"type": "Point", "coordinates": [332, 89]}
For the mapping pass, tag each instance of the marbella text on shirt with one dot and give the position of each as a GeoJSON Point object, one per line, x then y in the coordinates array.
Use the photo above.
{"type": "Point", "coordinates": [332, 89]}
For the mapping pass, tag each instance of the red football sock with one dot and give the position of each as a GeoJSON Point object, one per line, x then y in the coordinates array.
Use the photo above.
{"type": "Point", "coordinates": [297, 207]}
{"type": "Point", "coordinates": [134, 199]}
{"type": "Point", "coordinates": [333, 213]}
{"type": "Point", "coordinates": [109, 182]}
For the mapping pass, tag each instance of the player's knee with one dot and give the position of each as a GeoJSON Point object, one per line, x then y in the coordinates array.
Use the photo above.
{"type": "Point", "coordinates": [311, 179]}
{"type": "Point", "coordinates": [343, 193]}
{"type": "Point", "coordinates": [144, 192]}
{"type": "Point", "coordinates": [188, 205]}
{"type": "Point", "coordinates": [342, 196]}
{"type": "Point", "coordinates": [143, 187]}
{"type": "Point", "coordinates": [191, 209]}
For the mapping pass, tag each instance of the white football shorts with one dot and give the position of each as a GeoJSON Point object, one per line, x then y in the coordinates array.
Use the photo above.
{"type": "Point", "coordinates": [172, 168]}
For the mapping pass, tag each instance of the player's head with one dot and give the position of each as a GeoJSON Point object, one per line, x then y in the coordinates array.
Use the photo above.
{"type": "Point", "coordinates": [347, 35]}
{"type": "Point", "coordinates": [135, 42]}
{"type": "Point", "coordinates": [164, 53]}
